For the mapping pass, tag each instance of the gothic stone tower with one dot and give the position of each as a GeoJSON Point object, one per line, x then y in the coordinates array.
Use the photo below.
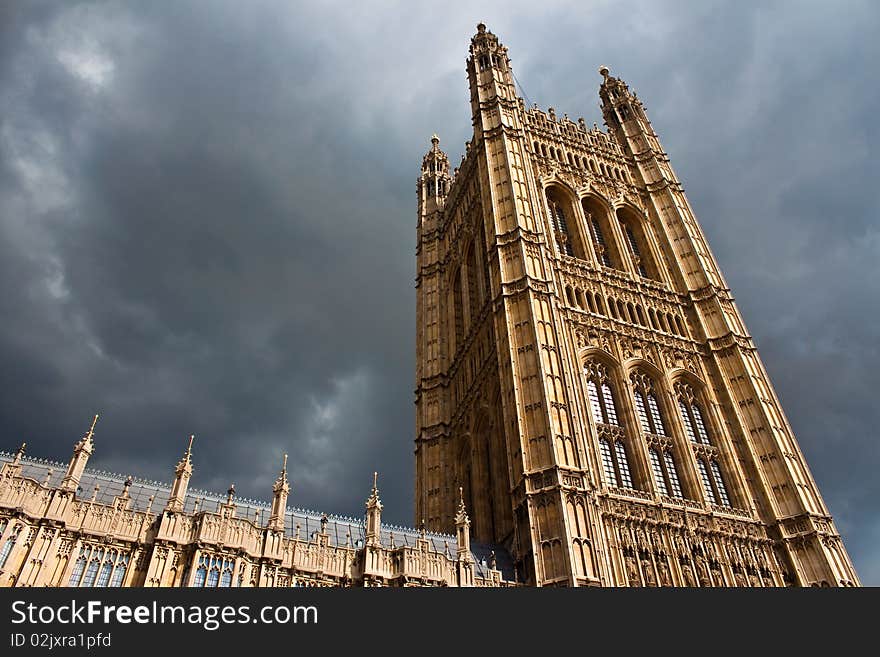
{"type": "Point", "coordinates": [583, 373]}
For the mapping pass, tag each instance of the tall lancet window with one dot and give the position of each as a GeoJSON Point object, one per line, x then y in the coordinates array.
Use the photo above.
{"type": "Point", "coordinates": [599, 242]}
{"type": "Point", "coordinates": [92, 570]}
{"type": "Point", "coordinates": [106, 571]}
{"type": "Point", "coordinates": [473, 291]}
{"type": "Point", "coordinates": [119, 571]}
{"type": "Point", "coordinates": [634, 251]}
{"type": "Point", "coordinates": [78, 568]}
{"type": "Point", "coordinates": [692, 417]}
{"type": "Point", "coordinates": [713, 482]}
{"type": "Point", "coordinates": [612, 438]}
{"type": "Point", "coordinates": [635, 234]}
{"type": "Point", "coordinates": [457, 309]}
{"type": "Point", "coordinates": [8, 545]}
{"type": "Point", "coordinates": [602, 402]}
{"type": "Point", "coordinates": [660, 445]}
{"type": "Point", "coordinates": [559, 222]}
{"type": "Point", "coordinates": [564, 223]}
{"type": "Point", "coordinates": [201, 572]}
{"type": "Point", "coordinates": [665, 472]}
{"type": "Point", "coordinates": [646, 404]}
{"type": "Point", "coordinates": [601, 232]}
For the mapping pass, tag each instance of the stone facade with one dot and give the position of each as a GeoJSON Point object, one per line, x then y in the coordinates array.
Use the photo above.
{"type": "Point", "coordinates": [583, 372]}
{"type": "Point", "coordinates": [89, 528]}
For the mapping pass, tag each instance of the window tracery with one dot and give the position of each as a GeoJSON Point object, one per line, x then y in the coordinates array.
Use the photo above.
{"type": "Point", "coordinates": [99, 567]}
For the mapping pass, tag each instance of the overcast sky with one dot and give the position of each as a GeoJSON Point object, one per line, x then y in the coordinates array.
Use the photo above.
{"type": "Point", "coordinates": [208, 210]}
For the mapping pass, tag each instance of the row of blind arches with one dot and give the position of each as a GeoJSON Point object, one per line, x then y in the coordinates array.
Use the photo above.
{"type": "Point", "coordinates": [617, 454]}
{"type": "Point", "coordinates": [658, 320]}
{"type": "Point", "coordinates": [584, 163]}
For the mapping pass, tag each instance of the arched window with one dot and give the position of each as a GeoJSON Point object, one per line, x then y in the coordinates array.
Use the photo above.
{"type": "Point", "coordinates": [590, 303]}
{"type": "Point", "coordinates": [600, 231]}
{"type": "Point", "coordinates": [613, 451]}
{"type": "Point", "coordinates": [8, 545]}
{"type": "Point", "coordinates": [690, 410]}
{"type": "Point", "coordinates": [635, 251]}
{"type": "Point", "coordinates": [201, 572]}
{"type": "Point", "coordinates": [473, 290]}
{"type": "Point", "coordinates": [665, 472]}
{"type": "Point", "coordinates": [636, 242]}
{"type": "Point", "coordinates": [660, 445]}
{"type": "Point", "coordinates": [615, 463]}
{"type": "Point", "coordinates": [691, 415]}
{"type": "Point", "coordinates": [226, 575]}
{"type": "Point", "coordinates": [78, 569]}
{"type": "Point", "coordinates": [457, 309]}
{"type": "Point", "coordinates": [599, 242]}
{"type": "Point", "coordinates": [713, 483]}
{"type": "Point", "coordinates": [213, 573]}
{"type": "Point", "coordinates": [680, 326]}
{"type": "Point", "coordinates": [92, 570]}
{"type": "Point", "coordinates": [647, 407]}
{"type": "Point", "coordinates": [564, 223]}
{"type": "Point", "coordinates": [602, 402]}
{"type": "Point", "coordinates": [119, 571]}
{"type": "Point", "coordinates": [104, 575]}
{"type": "Point", "coordinates": [487, 283]}
{"type": "Point", "coordinates": [97, 566]}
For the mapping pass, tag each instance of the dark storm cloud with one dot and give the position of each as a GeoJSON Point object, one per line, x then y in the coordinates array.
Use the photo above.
{"type": "Point", "coordinates": [208, 220]}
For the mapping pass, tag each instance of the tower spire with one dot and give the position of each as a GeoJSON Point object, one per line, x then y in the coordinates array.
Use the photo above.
{"type": "Point", "coordinates": [435, 180]}
{"type": "Point", "coordinates": [374, 514]}
{"type": "Point", "coordinates": [279, 500]}
{"type": "Point", "coordinates": [491, 82]}
{"type": "Point", "coordinates": [182, 474]}
{"type": "Point", "coordinates": [464, 561]}
{"type": "Point", "coordinates": [19, 454]}
{"type": "Point", "coordinates": [14, 467]}
{"type": "Point", "coordinates": [463, 528]}
{"type": "Point", "coordinates": [81, 453]}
